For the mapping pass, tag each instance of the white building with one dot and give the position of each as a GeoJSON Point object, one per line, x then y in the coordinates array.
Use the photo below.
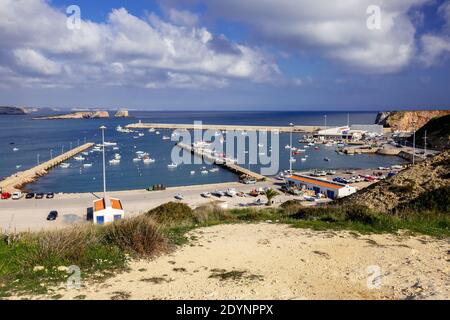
{"type": "Point", "coordinates": [104, 215]}
{"type": "Point", "coordinates": [331, 189]}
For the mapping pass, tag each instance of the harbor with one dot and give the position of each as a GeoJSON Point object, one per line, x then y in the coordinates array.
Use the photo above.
{"type": "Point", "coordinates": [224, 127]}
{"type": "Point", "coordinates": [16, 181]}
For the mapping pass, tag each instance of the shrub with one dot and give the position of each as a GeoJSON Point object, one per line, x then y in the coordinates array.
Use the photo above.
{"type": "Point", "coordinates": [291, 207]}
{"type": "Point", "coordinates": [172, 213]}
{"type": "Point", "coordinates": [211, 213]}
{"type": "Point", "coordinates": [360, 214]}
{"type": "Point", "coordinates": [139, 236]}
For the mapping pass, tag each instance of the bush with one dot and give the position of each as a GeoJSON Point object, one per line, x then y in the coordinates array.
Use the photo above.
{"type": "Point", "coordinates": [291, 207]}
{"type": "Point", "coordinates": [139, 236]}
{"type": "Point", "coordinates": [360, 214]}
{"type": "Point", "coordinates": [208, 213]}
{"type": "Point", "coordinates": [172, 213]}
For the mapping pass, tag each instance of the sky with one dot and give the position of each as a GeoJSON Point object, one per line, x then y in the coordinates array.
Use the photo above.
{"type": "Point", "coordinates": [226, 55]}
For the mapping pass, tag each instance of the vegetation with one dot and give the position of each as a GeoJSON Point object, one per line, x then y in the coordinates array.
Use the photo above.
{"type": "Point", "coordinates": [270, 194]}
{"type": "Point", "coordinates": [35, 262]}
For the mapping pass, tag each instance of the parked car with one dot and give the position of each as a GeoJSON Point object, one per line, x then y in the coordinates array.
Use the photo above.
{"type": "Point", "coordinates": [39, 195]}
{"type": "Point", "coordinates": [29, 195]}
{"type": "Point", "coordinates": [17, 195]}
{"type": "Point", "coordinates": [206, 194]}
{"type": "Point", "coordinates": [6, 195]}
{"type": "Point", "coordinates": [179, 196]}
{"type": "Point", "coordinates": [50, 195]}
{"type": "Point", "coordinates": [340, 180]}
{"type": "Point", "coordinates": [52, 215]}
{"type": "Point", "coordinates": [218, 193]}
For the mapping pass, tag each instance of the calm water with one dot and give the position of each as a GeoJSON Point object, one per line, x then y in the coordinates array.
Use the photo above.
{"type": "Point", "coordinates": [40, 137]}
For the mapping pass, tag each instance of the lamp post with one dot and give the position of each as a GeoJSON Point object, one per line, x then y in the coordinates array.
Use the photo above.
{"type": "Point", "coordinates": [103, 128]}
{"type": "Point", "coordinates": [290, 147]}
{"type": "Point", "coordinates": [414, 142]}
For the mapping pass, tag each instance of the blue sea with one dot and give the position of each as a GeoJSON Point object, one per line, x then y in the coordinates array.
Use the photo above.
{"type": "Point", "coordinates": [38, 139]}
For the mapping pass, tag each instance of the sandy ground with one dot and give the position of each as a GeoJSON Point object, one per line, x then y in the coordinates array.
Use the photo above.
{"type": "Point", "coordinates": [274, 261]}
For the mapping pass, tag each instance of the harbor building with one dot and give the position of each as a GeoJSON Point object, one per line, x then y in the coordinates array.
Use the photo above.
{"type": "Point", "coordinates": [104, 214]}
{"type": "Point", "coordinates": [353, 132]}
{"type": "Point", "coordinates": [331, 189]}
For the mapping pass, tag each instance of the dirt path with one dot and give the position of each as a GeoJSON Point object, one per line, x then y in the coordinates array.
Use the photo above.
{"type": "Point", "coordinates": [271, 261]}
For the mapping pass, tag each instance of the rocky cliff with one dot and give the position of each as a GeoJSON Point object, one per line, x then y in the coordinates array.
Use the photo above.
{"type": "Point", "coordinates": [412, 184]}
{"type": "Point", "coordinates": [122, 114]}
{"type": "Point", "coordinates": [404, 120]}
{"type": "Point", "coordinates": [78, 115]}
{"type": "Point", "coordinates": [12, 111]}
{"type": "Point", "coordinates": [437, 132]}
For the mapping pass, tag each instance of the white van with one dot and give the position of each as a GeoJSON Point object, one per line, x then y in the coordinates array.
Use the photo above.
{"type": "Point", "coordinates": [17, 195]}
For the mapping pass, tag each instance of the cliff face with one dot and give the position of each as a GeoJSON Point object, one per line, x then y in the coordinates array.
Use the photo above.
{"type": "Point", "coordinates": [407, 186]}
{"type": "Point", "coordinates": [79, 115]}
{"type": "Point", "coordinates": [12, 111]}
{"type": "Point", "coordinates": [122, 114]}
{"type": "Point", "coordinates": [437, 132]}
{"type": "Point", "coordinates": [404, 120]}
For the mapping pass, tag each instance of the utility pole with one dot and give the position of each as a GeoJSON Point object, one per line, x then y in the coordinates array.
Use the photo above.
{"type": "Point", "coordinates": [425, 146]}
{"type": "Point", "coordinates": [62, 149]}
{"type": "Point", "coordinates": [414, 143]}
{"type": "Point", "coordinates": [103, 128]}
{"type": "Point", "coordinates": [51, 153]}
{"type": "Point", "coordinates": [78, 142]}
{"type": "Point", "coordinates": [70, 146]}
{"type": "Point", "coordinates": [290, 148]}
{"type": "Point", "coordinates": [38, 159]}
{"type": "Point", "coordinates": [348, 119]}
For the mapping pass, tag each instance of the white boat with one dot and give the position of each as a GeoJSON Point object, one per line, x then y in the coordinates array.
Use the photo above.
{"type": "Point", "coordinates": [117, 156]}
{"type": "Point", "coordinates": [149, 160]}
{"type": "Point", "coordinates": [214, 170]}
{"type": "Point", "coordinates": [172, 165]}
{"type": "Point", "coordinates": [206, 194]}
{"type": "Point", "coordinates": [141, 134]}
{"type": "Point", "coordinates": [85, 153]}
{"type": "Point", "coordinates": [287, 146]}
{"type": "Point", "coordinates": [166, 138]}
{"type": "Point", "coordinates": [18, 166]}
{"type": "Point", "coordinates": [136, 159]}
{"type": "Point", "coordinates": [116, 148]}
{"type": "Point", "coordinates": [260, 145]}
{"type": "Point", "coordinates": [303, 159]}
{"type": "Point", "coordinates": [119, 128]}
{"type": "Point", "coordinates": [192, 173]}
{"type": "Point", "coordinates": [80, 158]}
{"type": "Point", "coordinates": [114, 161]}
{"type": "Point", "coordinates": [151, 130]}
{"type": "Point", "coordinates": [87, 165]}
{"type": "Point", "coordinates": [15, 149]}
{"type": "Point", "coordinates": [157, 132]}
{"type": "Point", "coordinates": [64, 165]}
{"type": "Point", "coordinates": [204, 172]}
{"type": "Point", "coordinates": [292, 160]}
{"type": "Point", "coordinates": [110, 144]}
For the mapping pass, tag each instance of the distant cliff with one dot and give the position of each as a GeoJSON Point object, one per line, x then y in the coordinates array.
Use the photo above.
{"type": "Point", "coordinates": [78, 115]}
{"type": "Point", "coordinates": [122, 114]}
{"type": "Point", "coordinates": [404, 120]}
{"type": "Point", "coordinates": [12, 111]}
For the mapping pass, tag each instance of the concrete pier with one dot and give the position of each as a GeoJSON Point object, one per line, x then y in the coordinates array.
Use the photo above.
{"type": "Point", "coordinates": [16, 181]}
{"type": "Point", "coordinates": [223, 127]}
{"type": "Point", "coordinates": [225, 164]}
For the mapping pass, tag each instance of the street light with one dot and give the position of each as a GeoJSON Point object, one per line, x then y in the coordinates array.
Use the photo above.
{"type": "Point", "coordinates": [414, 142]}
{"type": "Point", "coordinates": [290, 147]}
{"type": "Point", "coordinates": [103, 128]}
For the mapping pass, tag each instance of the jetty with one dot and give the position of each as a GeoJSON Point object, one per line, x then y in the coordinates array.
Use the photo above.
{"type": "Point", "coordinates": [19, 179]}
{"type": "Point", "coordinates": [223, 163]}
{"type": "Point", "coordinates": [223, 127]}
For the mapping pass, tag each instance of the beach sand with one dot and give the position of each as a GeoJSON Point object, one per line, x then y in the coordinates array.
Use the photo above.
{"type": "Point", "coordinates": [274, 261]}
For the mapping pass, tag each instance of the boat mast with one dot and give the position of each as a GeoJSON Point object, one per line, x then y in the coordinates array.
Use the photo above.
{"type": "Point", "coordinates": [290, 148]}
{"type": "Point", "coordinates": [104, 169]}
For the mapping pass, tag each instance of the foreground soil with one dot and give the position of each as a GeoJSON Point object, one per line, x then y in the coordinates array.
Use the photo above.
{"type": "Point", "coordinates": [274, 261]}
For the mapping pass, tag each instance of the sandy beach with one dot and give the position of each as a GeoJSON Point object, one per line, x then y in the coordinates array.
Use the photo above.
{"type": "Point", "coordinates": [273, 261]}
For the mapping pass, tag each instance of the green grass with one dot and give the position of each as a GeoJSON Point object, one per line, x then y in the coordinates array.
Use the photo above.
{"type": "Point", "coordinates": [100, 251]}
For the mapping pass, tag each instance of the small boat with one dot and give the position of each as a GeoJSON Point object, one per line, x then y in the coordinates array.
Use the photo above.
{"type": "Point", "coordinates": [64, 165]}
{"type": "Point", "coordinates": [231, 192]}
{"type": "Point", "coordinates": [116, 148]}
{"type": "Point", "coordinates": [260, 145]}
{"type": "Point", "coordinates": [15, 149]}
{"type": "Point", "coordinates": [303, 159]}
{"type": "Point", "coordinates": [172, 165]}
{"type": "Point", "coordinates": [151, 130]}
{"type": "Point", "coordinates": [292, 160]}
{"type": "Point", "coordinates": [141, 134]}
{"type": "Point", "coordinates": [136, 159]}
{"type": "Point", "coordinates": [117, 156]}
{"type": "Point", "coordinates": [80, 158]}
{"type": "Point", "coordinates": [87, 165]}
{"type": "Point", "coordinates": [214, 170]}
{"type": "Point", "coordinates": [204, 172]}
{"type": "Point", "coordinates": [157, 132]}
{"type": "Point", "coordinates": [206, 194]}
{"type": "Point", "coordinates": [326, 159]}
{"type": "Point", "coordinates": [287, 146]}
{"type": "Point", "coordinates": [114, 161]}
{"type": "Point", "coordinates": [110, 144]}
{"type": "Point", "coordinates": [149, 160]}
{"type": "Point", "coordinates": [316, 148]}
{"type": "Point", "coordinates": [166, 138]}
{"type": "Point", "coordinates": [192, 173]}
{"type": "Point", "coordinates": [18, 166]}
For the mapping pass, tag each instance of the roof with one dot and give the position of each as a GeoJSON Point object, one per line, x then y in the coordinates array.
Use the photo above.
{"type": "Point", "coordinates": [319, 182]}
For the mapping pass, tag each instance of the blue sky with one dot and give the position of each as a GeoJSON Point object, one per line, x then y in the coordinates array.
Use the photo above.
{"type": "Point", "coordinates": [226, 55]}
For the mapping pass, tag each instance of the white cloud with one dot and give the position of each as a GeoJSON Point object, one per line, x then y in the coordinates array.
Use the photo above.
{"type": "Point", "coordinates": [334, 29]}
{"type": "Point", "coordinates": [38, 49]}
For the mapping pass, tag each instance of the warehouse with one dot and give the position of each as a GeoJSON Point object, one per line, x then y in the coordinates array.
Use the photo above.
{"type": "Point", "coordinates": [332, 190]}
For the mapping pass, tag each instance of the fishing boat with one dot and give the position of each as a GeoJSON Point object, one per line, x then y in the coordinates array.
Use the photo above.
{"type": "Point", "coordinates": [151, 130]}
{"type": "Point", "coordinates": [214, 170]}
{"type": "Point", "coordinates": [148, 160]}
{"type": "Point", "coordinates": [192, 173]}
{"type": "Point", "coordinates": [166, 138]}
{"type": "Point", "coordinates": [80, 158]}
{"type": "Point", "coordinates": [87, 165]}
{"type": "Point", "coordinates": [114, 161]}
{"type": "Point", "coordinates": [204, 172]}
{"type": "Point", "coordinates": [64, 165]}
{"type": "Point", "coordinates": [110, 144]}
{"type": "Point", "coordinates": [172, 165]}
{"type": "Point", "coordinates": [15, 149]}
